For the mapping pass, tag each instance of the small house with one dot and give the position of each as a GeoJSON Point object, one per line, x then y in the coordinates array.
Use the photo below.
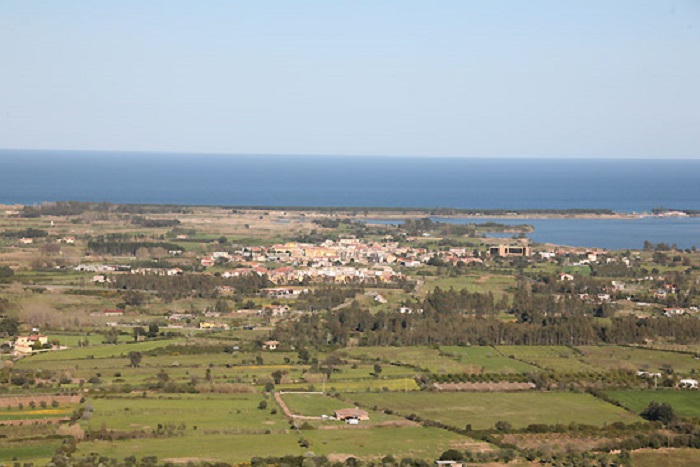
{"type": "Point", "coordinates": [351, 414]}
{"type": "Point", "coordinates": [270, 345]}
{"type": "Point", "coordinates": [688, 383]}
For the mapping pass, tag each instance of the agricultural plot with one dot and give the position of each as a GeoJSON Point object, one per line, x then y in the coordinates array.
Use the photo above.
{"type": "Point", "coordinates": [102, 351]}
{"type": "Point", "coordinates": [198, 447]}
{"type": "Point", "coordinates": [394, 384]}
{"type": "Point", "coordinates": [496, 284]}
{"type": "Point", "coordinates": [684, 403]}
{"type": "Point", "coordinates": [482, 410]}
{"type": "Point", "coordinates": [317, 405]}
{"type": "Point", "coordinates": [201, 413]}
{"type": "Point", "coordinates": [425, 358]}
{"type": "Point", "coordinates": [312, 405]}
{"type": "Point", "coordinates": [36, 414]}
{"type": "Point", "coordinates": [39, 453]}
{"type": "Point", "coordinates": [487, 359]}
{"type": "Point", "coordinates": [553, 357]}
{"type": "Point", "coordinates": [657, 457]}
{"type": "Point", "coordinates": [417, 442]}
{"type": "Point", "coordinates": [630, 358]}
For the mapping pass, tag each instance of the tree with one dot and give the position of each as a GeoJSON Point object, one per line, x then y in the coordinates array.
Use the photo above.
{"type": "Point", "coordinates": [9, 326]}
{"type": "Point", "coordinates": [139, 331]}
{"type": "Point", "coordinates": [303, 355]}
{"type": "Point", "coordinates": [134, 298]}
{"type": "Point", "coordinates": [277, 376]}
{"type": "Point", "coordinates": [6, 273]}
{"type": "Point", "coordinates": [503, 425]}
{"type": "Point", "coordinates": [135, 359]}
{"type": "Point", "coordinates": [452, 455]}
{"type": "Point", "coordinates": [222, 306]}
{"type": "Point", "coordinates": [163, 376]}
{"type": "Point", "coordinates": [112, 336]}
{"type": "Point", "coordinates": [659, 412]}
{"type": "Point", "coordinates": [377, 370]}
{"type": "Point", "coordinates": [153, 330]}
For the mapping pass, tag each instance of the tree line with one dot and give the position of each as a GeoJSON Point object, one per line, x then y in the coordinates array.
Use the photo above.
{"type": "Point", "coordinates": [353, 324]}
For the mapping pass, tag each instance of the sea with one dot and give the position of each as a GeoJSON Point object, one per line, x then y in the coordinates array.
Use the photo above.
{"type": "Point", "coordinates": [622, 185]}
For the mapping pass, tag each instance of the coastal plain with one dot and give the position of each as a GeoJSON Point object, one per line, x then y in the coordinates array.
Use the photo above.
{"type": "Point", "coordinates": [162, 335]}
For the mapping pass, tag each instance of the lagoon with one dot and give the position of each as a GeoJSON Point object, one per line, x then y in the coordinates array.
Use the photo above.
{"type": "Point", "coordinates": [614, 234]}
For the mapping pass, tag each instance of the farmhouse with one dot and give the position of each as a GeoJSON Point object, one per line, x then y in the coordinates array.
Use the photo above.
{"type": "Point", "coordinates": [440, 463]}
{"type": "Point", "coordinates": [351, 414]}
{"type": "Point", "coordinates": [25, 344]}
{"type": "Point", "coordinates": [115, 312]}
{"type": "Point", "coordinates": [270, 345]}
{"type": "Point", "coordinates": [689, 383]}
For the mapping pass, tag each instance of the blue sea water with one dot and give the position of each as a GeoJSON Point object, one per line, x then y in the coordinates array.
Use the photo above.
{"type": "Point", "coordinates": [616, 234]}
{"type": "Point", "coordinates": [622, 185]}
{"type": "Point", "coordinates": [29, 177]}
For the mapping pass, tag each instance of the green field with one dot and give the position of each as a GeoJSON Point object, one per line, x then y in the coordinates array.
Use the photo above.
{"type": "Point", "coordinates": [207, 411]}
{"type": "Point", "coordinates": [39, 453]}
{"type": "Point", "coordinates": [496, 284]}
{"type": "Point", "coordinates": [684, 403]}
{"type": "Point", "coordinates": [313, 405]}
{"type": "Point", "coordinates": [198, 447]}
{"type": "Point", "coordinates": [630, 358]}
{"type": "Point", "coordinates": [483, 410]}
{"type": "Point", "coordinates": [487, 359]}
{"type": "Point", "coordinates": [419, 442]}
{"type": "Point", "coordinates": [422, 357]}
{"type": "Point", "coordinates": [551, 357]}
{"type": "Point", "coordinates": [102, 351]}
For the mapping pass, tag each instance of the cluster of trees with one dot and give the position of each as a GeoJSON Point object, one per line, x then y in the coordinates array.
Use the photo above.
{"type": "Point", "coordinates": [29, 232]}
{"type": "Point", "coordinates": [334, 223]}
{"type": "Point", "coordinates": [325, 297]}
{"type": "Point", "coordinates": [154, 223]}
{"type": "Point", "coordinates": [191, 285]}
{"type": "Point", "coordinates": [127, 248]}
{"type": "Point", "coordinates": [76, 208]}
{"type": "Point", "coordinates": [474, 378]}
{"type": "Point", "coordinates": [338, 327]}
{"type": "Point", "coordinates": [6, 274]}
{"type": "Point", "coordinates": [8, 326]}
{"type": "Point", "coordinates": [462, 301]}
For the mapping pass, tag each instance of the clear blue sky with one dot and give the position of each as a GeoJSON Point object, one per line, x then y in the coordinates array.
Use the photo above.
{"type": "Point", "coordinates": [608, 78]}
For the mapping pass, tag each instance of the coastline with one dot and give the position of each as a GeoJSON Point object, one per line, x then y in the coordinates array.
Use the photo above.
{"type": "Point", "coordinates": [390, 213]}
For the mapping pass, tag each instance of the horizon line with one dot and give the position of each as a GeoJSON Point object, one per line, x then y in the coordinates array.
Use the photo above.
{"type": "Point", "coordinates": [402, 156]}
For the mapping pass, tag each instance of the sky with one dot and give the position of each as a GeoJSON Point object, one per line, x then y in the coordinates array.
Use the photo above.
{"type": "Point", "coordinates": [414, 78]}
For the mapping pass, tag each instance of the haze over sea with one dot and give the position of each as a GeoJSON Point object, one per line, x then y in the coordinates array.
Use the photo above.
{"type": "Point", "coordinates": [623, 185]}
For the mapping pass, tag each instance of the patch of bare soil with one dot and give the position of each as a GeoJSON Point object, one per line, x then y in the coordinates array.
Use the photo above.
{"type": "Point", "coordinates": [555, 441]}
{"type": "Point", "coordinates": [399, 424]}
{"type": "Point", "coordinates": [186, 460]}
{"type": "Point", "coordinates": [34, 421]}
{"type": "Point", "coordinates": [339, 457]}
{"type": "Point", "coordinates": [472, 445]}
{"type": "Point", "coordinates": [483, 279]}
{"type": "Point", "coordinates": [25, 400]}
